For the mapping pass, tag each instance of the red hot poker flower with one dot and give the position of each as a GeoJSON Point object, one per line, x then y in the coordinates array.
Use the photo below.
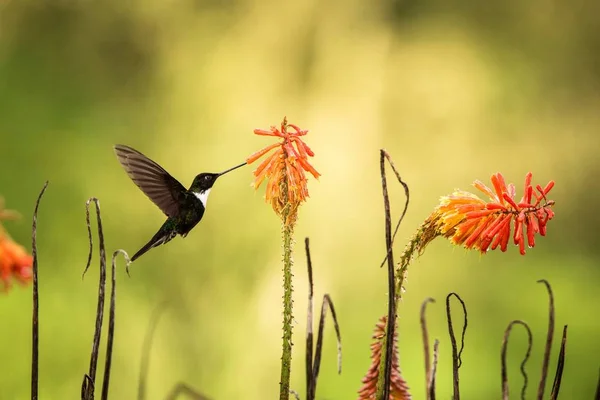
{"type": "Point", "coordinates": [398, 386]}
{"type": "Point", "coordinates": [14, 260]}
{"type": "Point", "coordinates": [474, 223]}
{"type": "Point", "coordinates": [284, 168]}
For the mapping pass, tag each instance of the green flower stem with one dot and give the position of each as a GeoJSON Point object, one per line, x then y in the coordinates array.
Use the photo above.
{"type": "Point", "coordinates": [286, 357]}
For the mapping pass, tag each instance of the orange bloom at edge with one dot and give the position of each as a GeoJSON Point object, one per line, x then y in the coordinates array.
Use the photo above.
{"type": "Point", "coordinates": [14, 260]}
{"type": "Point", "coordinates": [472, 222]}
{"type": "Point", "coordinates": [284, 168]}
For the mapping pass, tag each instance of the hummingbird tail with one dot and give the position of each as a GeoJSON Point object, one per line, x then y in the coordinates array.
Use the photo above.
{"type": "Point", "coordinates": [161, 237]}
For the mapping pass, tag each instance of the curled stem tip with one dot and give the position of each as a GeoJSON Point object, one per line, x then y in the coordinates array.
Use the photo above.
{"type": "Point", "coordinates": [549, 338]}
{"type": "Point", "coordinates": [504, 352]}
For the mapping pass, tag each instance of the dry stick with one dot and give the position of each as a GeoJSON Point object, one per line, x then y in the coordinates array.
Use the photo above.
{"type": "Point", "coordinates": [35, 329]}
{"type": "Point", "coordinates": [456, 357]}
{"type": "Point", "coordinates": [295, 394]}
{"type": "Point", "coordinates": [182, 388]}
{"type": "Point", "coordinates": [560, 366]}
{"type": "Point", "coordinates": [111, 321]}
{"type": "Point", "coordinates": [309, 327]}
{"type": "Point", "coordinates": [425, 336]}
{"type": "Point", "coordinates": [145, 362]}
{"type": "Point", "coordinates": [327, 303]}
{"type": "Point", "coordinates": [504, 351]}
{"type": "Point", "coordinates": [391, 320]}
{"type": "Point", "coordinates": [88, 391]}
{"type": "Point", "coordinates": [549, 337]}
{"type": "Point", "coordinates": [431, 389]}
{"type": "Point", "coordinates": [313, 367]}
{"type": "Point", "coordinates": [406, 194]}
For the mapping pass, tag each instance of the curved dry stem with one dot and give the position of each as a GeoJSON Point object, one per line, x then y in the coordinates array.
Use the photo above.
{"type": "Point", "coordinates": [327, 304]}
{"type": "Point", "coordinates": [431, 383]}
{"type": "Point", "coordinates": [147, 346]}
{"type": "Point", "coordinates": [309, 326]}
{"type": "Point", "coordinates": [88, 390]}
{"type": "Point", "coordinates": [111, 321]}
{"type": "Point", "coordinates": [385, 369]}
{"type": "Point", "coordinates": [456, 356]}
{"type": "Point", "coordinates": [35, 329]}
{"type": "Point", "coordinates": [88, 384]}
{"type": "Point", "coordinates": [406, 194]}
{"type": "Point", "coordinates": [560, 367]}
{"type": "Point", "coordinates": [549, 337]}
{"type": "Point", "coordinates": [504, 351]}
{"type": "Point", "coordinates": [425, 336]}
{"type": "Point", "coordinates": [313, 367]}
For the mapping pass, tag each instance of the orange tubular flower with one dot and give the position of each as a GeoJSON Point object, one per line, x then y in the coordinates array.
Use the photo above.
{"type": "Point", "coordinates": [14, 260]}
{"type": "Point", "coordinates": [474, 223]}
{"type": "Point", "coordinates": [284, 168]}
{"type": "Point", "coordinates": [398, 387]}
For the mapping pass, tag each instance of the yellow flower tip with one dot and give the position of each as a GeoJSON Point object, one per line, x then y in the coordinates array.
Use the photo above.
{"type": "Point", "coordinates": [284, 167]}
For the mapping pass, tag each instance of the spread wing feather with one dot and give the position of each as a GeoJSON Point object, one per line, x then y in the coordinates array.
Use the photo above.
{"type": "Point", "coordinates": [152, 179]}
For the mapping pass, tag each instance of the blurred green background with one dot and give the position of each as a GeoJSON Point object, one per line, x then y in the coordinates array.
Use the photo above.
{"type": "Point", "coordinates": [455, 91]}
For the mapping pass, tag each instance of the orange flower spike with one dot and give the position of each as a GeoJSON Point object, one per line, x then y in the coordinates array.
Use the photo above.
{"type": "Point", "coordinates": [499, 186]}
{"type": "Point", "coordinates": [263, 132]}
{"type": "Point", "coordinates": [510, 201]}
{"type": "Point", "coordinates": [309, 168]}
{"type": "Point", "coordinates": [482, 187]}
{"type": "Point", "coordinates": [260, 153]}
{"type": "Point", "coordinates": [265, 168]}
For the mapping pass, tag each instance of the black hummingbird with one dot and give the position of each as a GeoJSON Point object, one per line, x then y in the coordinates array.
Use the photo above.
{"type": "Point", "coordinates": [183, 207]}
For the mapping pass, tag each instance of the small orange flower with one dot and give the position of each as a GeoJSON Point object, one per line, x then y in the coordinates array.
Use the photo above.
{"type": "Point", "coordinates": [284, 168]}
{"type": "Point", "coordinates": [398, 387]}
{"type": "Point", "coordinates": [474, 223]}
{"type": "Point", "coordinates": [14, 260]}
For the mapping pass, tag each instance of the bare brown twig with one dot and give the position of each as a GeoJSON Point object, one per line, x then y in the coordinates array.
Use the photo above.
{"type": "Point", "coordinates": [560, 366]}
{"type": "Point", "coordinates": [456, 356]}
{"type": "Point", "coordinates": [87, 388]}
{"type": "Point", "coordinates": [36, 303]}
{"type": "Point", "coordinates": [313, 365]}
{"type": "Point", "coordinates": [549, 337]}
{"type": "Point", "coordinates": [504, 351]}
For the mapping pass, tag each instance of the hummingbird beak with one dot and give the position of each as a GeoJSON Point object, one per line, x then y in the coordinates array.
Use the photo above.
{"type": "Point", "coordinates": [231, 169]}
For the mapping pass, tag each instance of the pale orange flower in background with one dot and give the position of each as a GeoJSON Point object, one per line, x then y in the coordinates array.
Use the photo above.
{"type": "Point", "coordinates": [284, 168]}
{"type": "Point", "coordinates": [398, 386]}
{"type": "Point", "coordinates": [15, 262]}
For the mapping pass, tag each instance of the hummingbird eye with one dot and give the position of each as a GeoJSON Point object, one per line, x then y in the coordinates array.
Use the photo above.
{"type": "Point", "coordinates": [207, 178]}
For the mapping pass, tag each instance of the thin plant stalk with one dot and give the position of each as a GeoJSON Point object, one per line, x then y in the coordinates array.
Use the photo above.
{"type": "Point", "coordinates": [426, 350]}
{"type": "Point", "coordinates": [549, 338]}
{"type": "Point", "coordinates": [286, 355]}
{"type": "Point", "coordinates": [35, 319]}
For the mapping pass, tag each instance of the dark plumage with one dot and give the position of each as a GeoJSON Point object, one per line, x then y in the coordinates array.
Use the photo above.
{"type": "Point", "coordinates": [184, 208]}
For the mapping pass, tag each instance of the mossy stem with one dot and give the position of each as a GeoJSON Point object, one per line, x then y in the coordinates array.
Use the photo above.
{"type": "Point", "coordinates": [286, 357]}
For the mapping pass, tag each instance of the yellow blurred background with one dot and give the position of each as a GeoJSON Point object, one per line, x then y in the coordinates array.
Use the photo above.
{"type": "Point", "coordinates": [455, 91]}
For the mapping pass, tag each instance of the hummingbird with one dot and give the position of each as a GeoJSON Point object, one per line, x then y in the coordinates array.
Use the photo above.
{"type": "Point", "coordinates": [183, 207]}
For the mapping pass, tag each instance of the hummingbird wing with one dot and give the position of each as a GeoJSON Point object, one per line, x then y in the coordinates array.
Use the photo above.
{"type": "Point", "coordinates": [156, 183]}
